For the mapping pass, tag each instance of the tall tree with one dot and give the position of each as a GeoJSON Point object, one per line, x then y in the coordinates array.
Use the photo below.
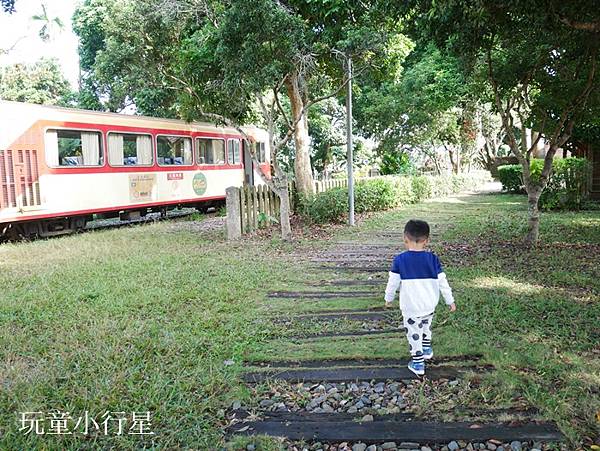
{"type": "Point", "coordinates": [202, 54]}
{"type": "Point", "coordinates": [540, 61]}
{"type": "Point", "coordinates": [41, 82]}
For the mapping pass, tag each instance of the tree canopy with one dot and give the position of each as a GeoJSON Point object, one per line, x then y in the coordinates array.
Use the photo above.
{"type": "Point", "coordinates": [185, 58]}
{"type": "Point", "coordinates": [41, 82]}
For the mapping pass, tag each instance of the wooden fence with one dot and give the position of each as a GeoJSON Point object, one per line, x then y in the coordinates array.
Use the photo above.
{"type": "Point", "coordinates": [325, 185]}
{"type": "Point", "coordinates": [252, 207]}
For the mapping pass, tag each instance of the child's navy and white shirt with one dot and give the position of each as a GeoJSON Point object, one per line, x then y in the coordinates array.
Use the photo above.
{"type": "Point", "coordinates": [420, 276]}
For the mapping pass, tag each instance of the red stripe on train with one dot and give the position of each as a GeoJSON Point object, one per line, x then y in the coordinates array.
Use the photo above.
{"type": "Point", "coordinates": [104, 210]}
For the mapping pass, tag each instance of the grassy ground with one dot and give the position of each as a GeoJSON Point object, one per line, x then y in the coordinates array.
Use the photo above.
{"type": "Point", "coordinates": [144, 319]}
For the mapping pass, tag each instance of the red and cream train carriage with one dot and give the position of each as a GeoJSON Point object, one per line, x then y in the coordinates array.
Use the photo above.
{"type": "Point", "coordinates": [60, 166]}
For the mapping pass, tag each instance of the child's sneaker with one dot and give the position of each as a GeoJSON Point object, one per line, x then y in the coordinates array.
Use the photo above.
{"type": "Point", "coordinates": [417, 368]}
{"type": "Point", "coordinates": [427, 353]}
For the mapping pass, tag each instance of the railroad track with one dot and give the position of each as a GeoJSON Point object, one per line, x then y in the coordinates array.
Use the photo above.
{"type": "Point", "coordinates": [363, 404]}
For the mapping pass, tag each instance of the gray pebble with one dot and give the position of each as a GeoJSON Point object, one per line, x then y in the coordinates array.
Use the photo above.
{"type": "Point", "coordinates": [359, 447]}
{"type": "Point", "coordinates": [409, 445]}
{"type": "Point", "coordinates": [371, 448]}
{"type": "Point", "coordinates": [425, 448]}
{"type": "Point", "coordinates": [266, 403]}
{"type": "Point", "coordinates": [250, 448]}
{"type": "Point", "coordinates": [388, 445]}
{"type": "Point", "coordinates": [516, 446]}
{"type": "Point", "coordinates": [235, 405]}
{"type": "Point", "coordinates": [367, 418]}
{"type": "Point", "coordinates": [453, 446]}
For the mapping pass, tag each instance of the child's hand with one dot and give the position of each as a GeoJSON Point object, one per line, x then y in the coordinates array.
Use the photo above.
{"type": "Point", "coordinates": [389, 304]}
{"type": "Point", "coordinates": [453, 307]}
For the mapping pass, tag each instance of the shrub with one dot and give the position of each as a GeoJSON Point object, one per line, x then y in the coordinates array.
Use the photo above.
{"type": "Point", "coordinates": [328, 206]}
{"type": "Point", "coordinates": [510, 176]}
{"type": "Point", "coordinates": [381, 194]}
{"type": "Point", "coordinates": [421, 188]}
{"type": "Point", "coordinates": [566, 188]}
{"type": "Point", "coordinates": [374, 195]}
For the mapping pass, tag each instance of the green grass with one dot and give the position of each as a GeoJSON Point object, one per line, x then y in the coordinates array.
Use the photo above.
{"type": "Point", "coordinates": [143, 319]}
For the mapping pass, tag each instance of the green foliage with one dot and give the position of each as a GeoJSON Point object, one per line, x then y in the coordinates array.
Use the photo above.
{"type": "Point", "coordinates": [396, 163]}
{"type": "Point", "coordinates": [382, 194]}
{"type": "Point", "coordinates": [421, 188]}
{"type": "Point", "coordinates": [264, 219]}
{"type": "Point", "coordinates": [511, 177]}
{"type": "Point", "coordinates": [568, 185]}
{"type": "Point", "coordinates": [328, 206]}
{"type": "Point", "coordinates": [375, 195]}
{"type": "Point", "coordinates": [550, 69]}
{"type": "Point", "coordinates": [41, 82]}
{"type": "Point", "coordinates": [566, 188]}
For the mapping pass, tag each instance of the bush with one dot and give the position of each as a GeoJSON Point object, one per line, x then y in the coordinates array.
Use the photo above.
{"type": "Point", "coordinates": [510, 176]}
{"type": "Point", "coordinates": [328, 206]}
{"type": "Point", "coordinates": [566, 188]}
{"type": "Point", "coordinates": [568, 185]}
{"type": "Point", "coordinates": [381, 194]}
{"type": "Point", "coordinates": [421, 188]}
{"type": "Point", "coordinates": [374, 195]}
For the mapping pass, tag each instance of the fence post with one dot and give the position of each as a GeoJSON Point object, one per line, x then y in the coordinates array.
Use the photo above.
{"type": "Point", "coordinates": [243, 210]}
{"type": "Point", "coordinates": [234, 223]}
{"type": "Point", "coordinates": [248, 200]}
{"type": "Point", "coordinates": [261, 198]}
{"type": "Point", "coordinates": [255, 209]}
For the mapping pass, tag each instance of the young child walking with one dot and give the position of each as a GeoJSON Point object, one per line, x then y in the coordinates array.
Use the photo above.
{"type": "Point", "coordinates": [419, 275]}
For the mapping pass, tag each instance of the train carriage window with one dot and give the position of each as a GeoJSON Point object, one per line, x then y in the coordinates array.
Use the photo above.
{"type": "Point", "coordinates": [260, 152]}
{"type": "Point", "coordinates": [233, 151]}
{"type": "Point", "coordinates": [174, 150]}
{"type": "Point", "coordinates": [210, 151]}
{"type": "Point", "coordinates": [73, 148]}
{"type": "Point", "coordinates": [129, 149]}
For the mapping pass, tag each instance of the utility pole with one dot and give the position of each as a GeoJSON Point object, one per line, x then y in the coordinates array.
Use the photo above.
{"type": "Point", "coordinates": [349, 142]}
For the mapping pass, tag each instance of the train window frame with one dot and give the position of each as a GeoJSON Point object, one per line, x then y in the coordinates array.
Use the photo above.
{"type": "Point", "coordinates": [103, 159]}
{"type": "Point", "coordinates": [191, 138]}
{"type": "Point", "coordinates": [154, 150]}
{"type": "Point", "coordinates": [209, 138]}
{"type": "Point", "coordinates": [233, 162]}
{"type": "Point", "coordinates": [260, 151]}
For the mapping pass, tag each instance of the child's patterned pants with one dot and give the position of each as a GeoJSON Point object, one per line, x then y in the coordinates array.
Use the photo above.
{"type": "Point", "coordinates": [418, 332]}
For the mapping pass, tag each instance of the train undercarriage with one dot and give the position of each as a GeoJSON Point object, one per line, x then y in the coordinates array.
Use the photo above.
{"type": "Point", "coordinates": [65, 225]}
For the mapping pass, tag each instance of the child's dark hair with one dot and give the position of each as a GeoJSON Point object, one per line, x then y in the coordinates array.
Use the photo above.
{"type": "Point", "coordinates": [416, 230]}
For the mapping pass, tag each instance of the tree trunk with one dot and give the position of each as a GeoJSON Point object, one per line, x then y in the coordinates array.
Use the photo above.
{"type": "Point", "coordinates": [453, 159]}
{"type": "Point", "coordinates": [533, 215]}
{"type": "Point", "coordinates": [281, 190]}
{"type": "Point", "coordinates": [302, 169]}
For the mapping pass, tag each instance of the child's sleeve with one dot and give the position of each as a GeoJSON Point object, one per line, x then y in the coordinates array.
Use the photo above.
{"type": "Point", "coordinates": [393, 282]}
{"type": "Point", "coordinates": [443, 283]}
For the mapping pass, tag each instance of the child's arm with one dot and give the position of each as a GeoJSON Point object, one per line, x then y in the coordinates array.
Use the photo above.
{"type": "Point", "coordinates": [393, 283]}
{"type": "Point", "coordinates": [392, 286]}
{"type": "Point", "coordinates": [445, 287]}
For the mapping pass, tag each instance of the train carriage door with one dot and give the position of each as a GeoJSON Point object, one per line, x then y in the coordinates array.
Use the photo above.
{"type": "Point", "coordinates": [248, 164]}
{"type": "Point", "coordinates": [19, 179]}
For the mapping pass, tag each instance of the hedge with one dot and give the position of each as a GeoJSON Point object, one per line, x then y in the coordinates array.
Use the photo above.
{"type": "Point", "coordinates": [567, 186]}
{"type": "Point", "coordinates": [384, 193]}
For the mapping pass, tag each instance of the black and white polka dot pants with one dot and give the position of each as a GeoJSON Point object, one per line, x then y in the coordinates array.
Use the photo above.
{"type": "Point", "coordinates": [418, 332]}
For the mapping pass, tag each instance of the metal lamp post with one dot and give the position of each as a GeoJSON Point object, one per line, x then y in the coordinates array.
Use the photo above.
{"type": "Point", "coordinates": [349, 142]}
